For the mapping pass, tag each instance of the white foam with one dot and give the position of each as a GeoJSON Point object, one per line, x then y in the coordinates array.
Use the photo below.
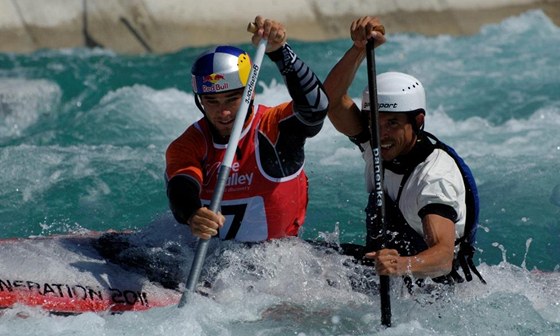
{"type": "Point", "coordinates": [23, 101]}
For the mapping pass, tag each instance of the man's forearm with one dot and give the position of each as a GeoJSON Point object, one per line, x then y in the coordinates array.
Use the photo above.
{"type": "Point", "coordinates": [343, 112]}
{"type": "Point", "coordinates": [305, 88]}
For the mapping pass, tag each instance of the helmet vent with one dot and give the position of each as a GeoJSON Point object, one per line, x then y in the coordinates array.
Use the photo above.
{"type": "Point", "coordinates": [413, 86]}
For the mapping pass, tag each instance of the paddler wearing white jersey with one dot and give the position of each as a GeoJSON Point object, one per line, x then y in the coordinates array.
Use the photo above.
{"type": "Point", "coordinates": [431, 198]}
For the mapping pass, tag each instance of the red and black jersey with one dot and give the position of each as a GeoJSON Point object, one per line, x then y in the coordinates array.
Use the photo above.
{"type": "Point", "coordinates": [260, 201]}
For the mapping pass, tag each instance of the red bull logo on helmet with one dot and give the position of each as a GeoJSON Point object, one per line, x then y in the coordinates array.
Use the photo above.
{"type": "Point", "coordinates": [212, 79]}
{"type": "Point", "coordinates": [221, 69]}
{"type": "Point", "coordinates": [214, 83]}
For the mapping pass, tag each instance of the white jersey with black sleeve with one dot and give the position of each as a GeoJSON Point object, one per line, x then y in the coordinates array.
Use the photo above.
{"type": "Point", "coordinates": [435, 181]}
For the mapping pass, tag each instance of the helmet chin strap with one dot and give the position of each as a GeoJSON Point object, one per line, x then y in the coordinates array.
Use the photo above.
{"type": "Point", "coordinates": [198, 103]}
{"type": "Point", "coordinates": [418, 129]}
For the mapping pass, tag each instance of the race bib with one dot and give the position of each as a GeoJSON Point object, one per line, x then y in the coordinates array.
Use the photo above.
{"type": "Point", "coordinates": [245, 220]}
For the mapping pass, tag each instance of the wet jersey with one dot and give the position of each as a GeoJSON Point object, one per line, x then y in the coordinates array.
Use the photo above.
{"type": "Point", "coordinates": [266, 193]}
{"type": "Point", "coordinates": [256, 205]}
{"type": "Point", "coordinates": [431, 179]}
{"type": "Point", "coordinates": [434, 182]}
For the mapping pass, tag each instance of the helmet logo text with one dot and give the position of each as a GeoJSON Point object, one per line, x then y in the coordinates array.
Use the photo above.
{"type": "Point", "coordinates": [215, 87]}
{"type": "Point", "coordinates": [388, 105]}
{"type": "Point", "coordinates": [211, 83]}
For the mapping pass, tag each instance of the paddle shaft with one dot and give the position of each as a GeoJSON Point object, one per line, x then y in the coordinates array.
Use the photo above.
{"type": "Point", "coordinates": [379, 216]}
{"type": "Point", "coordinates": [225, 168]}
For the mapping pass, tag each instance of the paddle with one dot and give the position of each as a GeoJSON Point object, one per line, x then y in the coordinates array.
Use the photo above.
{"type": "Point", "coordinates": [379, 216]}
{"type": "Point", "coordinates": [202, 245]}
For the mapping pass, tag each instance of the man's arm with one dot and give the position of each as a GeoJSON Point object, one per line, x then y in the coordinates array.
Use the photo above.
{"type": "Point", "coordinates": [439, 233]}
{"type": "Point", "coordinates": [310, 102]}
{"type": "Point", "coordinates": [286, 127]}
{"type": "Point", "coordinates": [435, 261]}
{"type": "Point", "coordinates": [343, 112]}
{"type": "Point", "coordinates": [183, 178]}
{"type": "Point", "coordinates": [182, 192]}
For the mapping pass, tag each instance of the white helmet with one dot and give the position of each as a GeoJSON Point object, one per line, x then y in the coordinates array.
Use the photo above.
{"type": "Point", "coordinates": [397, 92]}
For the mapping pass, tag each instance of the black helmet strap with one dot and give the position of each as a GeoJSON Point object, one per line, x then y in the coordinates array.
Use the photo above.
{"type": "Point", "coordinates": [198, 103]}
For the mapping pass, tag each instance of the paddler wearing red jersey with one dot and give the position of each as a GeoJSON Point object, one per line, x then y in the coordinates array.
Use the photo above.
{"type": "Point", "coordinates": [256, 205]}
{"type": "Point", "coordinates": [266, 193]}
